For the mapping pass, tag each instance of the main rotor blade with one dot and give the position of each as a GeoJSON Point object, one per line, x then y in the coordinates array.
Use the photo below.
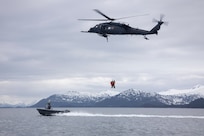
{"type": "Point", "coordinates": [108, 18]}
{"type": "Point", "coordinates": [155, 20]}
{"type": "Point", "coordinates": [99, 12]}
{"type": "Point", "coordinates": [131, 16]}
{"type": "Point", "coordinates": [93, 19]}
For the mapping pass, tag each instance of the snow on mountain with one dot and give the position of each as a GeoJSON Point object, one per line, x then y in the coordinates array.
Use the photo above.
{"type": "Point", "coordinates": [184, 96]}
{"type": "Point", "coordinates": [128, 94]}
{"type": "Point", "coordinates": [87, 96]}
{"type": "Point", "coordinates": [5, 99]}
{"type": "Point", "coordinates": [180, 99]}
{"type": "Point", "coordinates": [74, 98]}
{"type": "Point", "coordinates": [132, 98]}
{"type": "Point", "coordinates": [14, 101]}
{"type": "Point", "coordinates": [196, 90]}
{"type": "Point", "coordinates": [91, 94]}
{"type": "Point", "coordinates": [108, 93]}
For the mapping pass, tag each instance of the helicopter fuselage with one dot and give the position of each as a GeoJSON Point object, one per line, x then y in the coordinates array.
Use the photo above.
{"type": "Point", "coordinates": [112, 28]}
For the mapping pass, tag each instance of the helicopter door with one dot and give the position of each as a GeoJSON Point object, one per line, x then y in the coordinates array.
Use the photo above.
{"type": "Point", "coordinates": [102, 29]}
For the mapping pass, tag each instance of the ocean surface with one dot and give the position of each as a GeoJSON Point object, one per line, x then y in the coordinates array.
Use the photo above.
{"type": "Point", "coordinates": [103, 122]}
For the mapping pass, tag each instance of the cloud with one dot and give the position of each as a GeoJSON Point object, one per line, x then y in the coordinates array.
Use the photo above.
{"type": "Point", "coordinates": [43, 51]}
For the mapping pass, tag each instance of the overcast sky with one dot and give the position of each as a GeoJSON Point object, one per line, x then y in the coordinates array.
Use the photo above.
{"type": "Point", "coordinates": [43, 52]}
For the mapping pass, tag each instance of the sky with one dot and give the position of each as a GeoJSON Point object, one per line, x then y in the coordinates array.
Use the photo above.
{"type": "Point", "coordinates": [43, 52]}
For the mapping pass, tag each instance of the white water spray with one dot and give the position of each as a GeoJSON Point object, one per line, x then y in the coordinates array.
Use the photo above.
{"type": "Point", "coordinates": [85, 114]}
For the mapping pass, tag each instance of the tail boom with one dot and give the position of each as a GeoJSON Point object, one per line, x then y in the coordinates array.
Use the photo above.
{"type": "Point", "coordinates": [155, 29]}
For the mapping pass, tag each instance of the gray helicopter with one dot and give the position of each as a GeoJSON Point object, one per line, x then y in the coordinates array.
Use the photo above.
{"type": "Point", "coordinates": [114, 28]}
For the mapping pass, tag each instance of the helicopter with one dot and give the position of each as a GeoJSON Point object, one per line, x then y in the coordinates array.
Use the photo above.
{"type": "Point", "coordinates": [115, 28]}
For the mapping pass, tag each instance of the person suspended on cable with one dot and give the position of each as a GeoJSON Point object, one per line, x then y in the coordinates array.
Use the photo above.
{"type": "Point", "coordinates": [112, 84]}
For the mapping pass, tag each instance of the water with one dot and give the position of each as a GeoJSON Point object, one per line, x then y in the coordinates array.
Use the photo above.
{"type": "Point", "coordinates": [103, 122]}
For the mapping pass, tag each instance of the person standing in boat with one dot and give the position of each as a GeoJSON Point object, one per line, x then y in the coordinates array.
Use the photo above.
{"type": "Point", "coordinates": [48, 106]}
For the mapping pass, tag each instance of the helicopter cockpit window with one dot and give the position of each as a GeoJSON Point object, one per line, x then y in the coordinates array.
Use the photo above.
{"type": "Point", "coordinates": [98, 26]}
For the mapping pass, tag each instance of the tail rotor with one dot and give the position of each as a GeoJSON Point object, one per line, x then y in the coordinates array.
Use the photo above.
{"type": "Point", "coordinates": [160, 21]}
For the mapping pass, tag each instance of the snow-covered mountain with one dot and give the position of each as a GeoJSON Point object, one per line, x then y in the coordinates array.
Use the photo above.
{"type": "Point", "coordinates": [141, 98]}
{"type": "Point", "coordinates": [196, 90]}
{"type": "Point", "coordinates": [82, 97]}
{"type": "Point", "coordinates": [127, 98]}
{"type": "Point", "coordinates": [184, 96]}
{"type": "Point", "coordinates": [132, 98]}
{"type": "Point", "coordinates": [178, 99]}
{"type": "Point", "coordinates": [13, 101]}
{"type": "Point", "coordinates": [74, 98]}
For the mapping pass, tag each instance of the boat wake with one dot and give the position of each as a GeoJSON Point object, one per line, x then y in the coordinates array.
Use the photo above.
{"type": "Point", "coordinates": [84, 114]}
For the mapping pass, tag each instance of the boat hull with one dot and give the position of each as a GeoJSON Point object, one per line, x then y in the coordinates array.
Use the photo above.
{"type": "Point", "coordinates": [50, 112]}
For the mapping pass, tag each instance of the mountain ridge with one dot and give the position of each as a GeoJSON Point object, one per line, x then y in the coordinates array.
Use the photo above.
{"type": "Point", "coordinates": [172, 97]}
{"type": "Point", "coordinates": [197, 89]}
{"type": "Point", "coordinates": [127, 98]}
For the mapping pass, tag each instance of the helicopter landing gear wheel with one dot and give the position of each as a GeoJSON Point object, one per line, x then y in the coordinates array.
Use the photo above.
{"type": "Point", "coordinates": [146, 37]}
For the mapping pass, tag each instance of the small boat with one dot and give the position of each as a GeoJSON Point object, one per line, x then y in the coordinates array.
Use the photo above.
{"type": "Point", "coordinates": [51, 112]}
